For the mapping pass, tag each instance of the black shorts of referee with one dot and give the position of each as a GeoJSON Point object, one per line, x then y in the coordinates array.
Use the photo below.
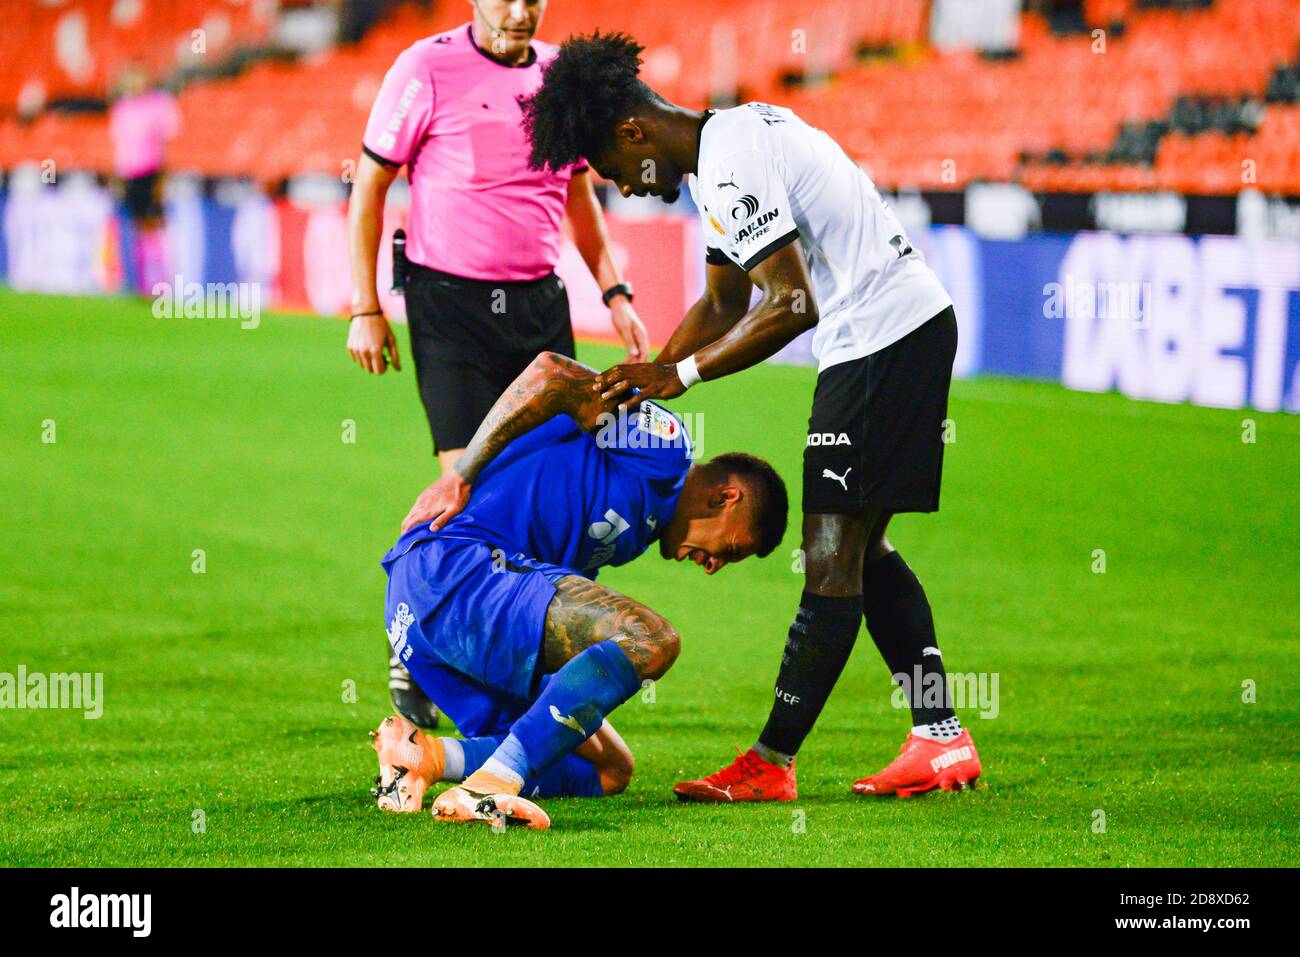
{"type": "Point", "coordinates": [876, 432]}
{"type": "Point", "coordinates": [471, 338]}
{"type": "Point", "coordinates": [142, 196]}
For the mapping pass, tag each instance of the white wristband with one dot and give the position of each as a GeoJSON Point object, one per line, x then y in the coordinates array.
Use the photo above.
{"type": "Point", "coordinates": [687, 372]}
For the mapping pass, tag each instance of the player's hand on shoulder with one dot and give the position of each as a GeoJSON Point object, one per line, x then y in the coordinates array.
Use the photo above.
{"type": "Point", "coordinates": [372, 344]}
{"type": "Point", "coordinates": [439, 503]}
{"type": "Point", "coordinates": [652, 380]}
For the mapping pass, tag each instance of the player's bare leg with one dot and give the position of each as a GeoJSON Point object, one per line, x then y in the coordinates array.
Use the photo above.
{"type": "Point", "coordinates": [600, 645]}
{"type": "Point", "coordinates": [820, 640]}
{"type": "Point", "coordinates": [609, 754]}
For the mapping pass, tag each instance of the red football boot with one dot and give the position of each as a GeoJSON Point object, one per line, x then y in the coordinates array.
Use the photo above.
{"type": "Point", "coordinates": [748, 778]}
{"type": "Point", "coordinates": [923, 765]}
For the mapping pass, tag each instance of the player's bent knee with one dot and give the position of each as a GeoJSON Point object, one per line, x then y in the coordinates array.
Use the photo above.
{"type": "Point", "coordinates": [665, 646]}
{"type": "Point", "coordinates": [651, 644]}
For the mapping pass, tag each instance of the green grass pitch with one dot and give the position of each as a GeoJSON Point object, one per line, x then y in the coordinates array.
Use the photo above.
{"type": "Point", "coordinates": [1120, 694]}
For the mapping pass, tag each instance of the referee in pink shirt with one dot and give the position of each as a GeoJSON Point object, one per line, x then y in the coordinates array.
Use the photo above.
{"type": "Point", "coordinates": [483, 234]}
{"type": "Point", "coordinates": [141, 122]}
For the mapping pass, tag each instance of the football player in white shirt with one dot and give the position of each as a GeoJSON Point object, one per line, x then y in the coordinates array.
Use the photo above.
{"type": "Point", "coordinates": [784, 209]}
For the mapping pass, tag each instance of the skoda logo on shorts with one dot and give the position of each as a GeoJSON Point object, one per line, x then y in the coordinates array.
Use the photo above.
{"type": "Point", "coordinates": [828, 438]}
{"type": "Point", "coordinates": [745, 207]}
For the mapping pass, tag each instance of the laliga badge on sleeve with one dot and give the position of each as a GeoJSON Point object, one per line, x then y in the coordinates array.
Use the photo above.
{"type": "Point", "coordinates": [658, 422]}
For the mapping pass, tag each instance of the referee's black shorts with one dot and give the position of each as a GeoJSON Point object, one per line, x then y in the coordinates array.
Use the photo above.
{"type": "Point", "coordinates": [876, 433]}
{"type": "Point", "coordinates": [142, 196]}
{"type": "Point", "coordinates": [471, 338]}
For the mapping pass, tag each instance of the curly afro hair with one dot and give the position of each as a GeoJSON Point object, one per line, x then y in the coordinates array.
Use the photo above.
{"type": "Point", "coordinates": [591, 84]}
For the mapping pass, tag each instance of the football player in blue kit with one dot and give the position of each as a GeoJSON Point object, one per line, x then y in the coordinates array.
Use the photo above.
{"type": "Point", "coordinates": [493, 607]}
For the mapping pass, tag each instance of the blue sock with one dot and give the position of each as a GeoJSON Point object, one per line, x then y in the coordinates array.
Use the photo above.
{"type": "Point", "coordinates": [476, 751]}
{"type": "Point", "coordinates": [571, 776]}
{"type": "Point", "coordinates": [570, 709]}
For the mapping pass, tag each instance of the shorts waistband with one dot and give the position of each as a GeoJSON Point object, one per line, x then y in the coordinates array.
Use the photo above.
{"type": "Point", "coordinates": [428, 272]}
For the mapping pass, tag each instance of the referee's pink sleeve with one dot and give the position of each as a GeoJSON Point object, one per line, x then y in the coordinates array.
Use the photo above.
{"type": "Point", "coordinates": [403, 109]}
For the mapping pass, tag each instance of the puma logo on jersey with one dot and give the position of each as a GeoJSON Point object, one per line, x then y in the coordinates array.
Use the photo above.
{"type": "Point", "coordinates": [842, 479]}
{"type": "Point", "coordinates": [828, 438]}
{"type": "Point", "coordinates": [731, 182]}
{"type": "Point", "coordinates": [949, 758]}
{"type": "Point", "coordinates": [571, 722]}
{"type": "Point", "coordinates": [931, 650]}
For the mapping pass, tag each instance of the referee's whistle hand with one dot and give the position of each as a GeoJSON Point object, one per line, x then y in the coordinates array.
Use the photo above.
{"type": "Point", "coordinates": [630, 328]}
{"type": "Point", "coordinates": [372, 345]}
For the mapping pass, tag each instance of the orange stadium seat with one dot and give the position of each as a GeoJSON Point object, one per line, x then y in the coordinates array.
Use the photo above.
{"type": "Point", "coordinates": [918, 118]}
{"type": "Point", "coordinates": [75, 48]}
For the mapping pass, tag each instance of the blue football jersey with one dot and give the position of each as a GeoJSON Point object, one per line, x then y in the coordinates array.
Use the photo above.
{"type": "Point", "coordinates": [563, 496]}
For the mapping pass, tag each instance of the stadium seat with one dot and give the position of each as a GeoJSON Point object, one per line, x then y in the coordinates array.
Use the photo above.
{"type": "Point", "coordinates": [913, 116]}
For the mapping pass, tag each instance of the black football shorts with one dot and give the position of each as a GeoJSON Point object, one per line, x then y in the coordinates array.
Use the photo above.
{"type": "Point", "coordinates": [471, 338]}
{"type": "Point", "coordinates": [876, 433]}
{"type": "Point", "coordinates": [142, 196]}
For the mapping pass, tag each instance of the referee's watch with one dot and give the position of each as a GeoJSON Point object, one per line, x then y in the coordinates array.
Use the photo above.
{"type": "Point", "coordinates": [618, 289]}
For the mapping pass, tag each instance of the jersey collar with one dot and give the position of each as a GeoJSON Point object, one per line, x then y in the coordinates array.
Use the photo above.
{"type": "Point", "coordinates": [699, 138]}
{"type": "Point", "coordinates": [532, 52]}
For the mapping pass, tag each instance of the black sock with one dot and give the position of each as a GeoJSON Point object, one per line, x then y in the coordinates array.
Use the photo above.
{"type": "Point", "coordinates": [819, 643]}
{"type": "Point", "coordinates": [900, 622]}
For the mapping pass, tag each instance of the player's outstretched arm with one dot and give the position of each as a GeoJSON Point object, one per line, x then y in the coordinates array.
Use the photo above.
{"type": "Point", "coordinates": [726, 298]}
{"type": "Point", "coordinates": [788, 307]}
{"type": "Point", "coordinates": [552, 384]}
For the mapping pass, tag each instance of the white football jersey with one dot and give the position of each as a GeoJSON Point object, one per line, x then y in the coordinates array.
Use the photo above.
{"type": "Point", "coordinates": [766, 177]}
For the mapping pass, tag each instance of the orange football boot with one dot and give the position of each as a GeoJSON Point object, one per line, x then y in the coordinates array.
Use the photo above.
{"type": "Point", "coordinates": [409, 761]}
{"type": "Point", "coordinates": [748, 778]}
{"type": "Point", "coordinates": [489, 799]}
{"type": "Point", "coordinates": [923, 765]}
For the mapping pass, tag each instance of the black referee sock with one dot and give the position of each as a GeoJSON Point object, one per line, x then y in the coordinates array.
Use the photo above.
{"type": "Point", "coordinates": [816, 650]}
{"type": "Point", "coordinates": [900, 622]}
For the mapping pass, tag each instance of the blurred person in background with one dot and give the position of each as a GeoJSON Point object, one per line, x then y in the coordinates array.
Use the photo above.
{"type": "Point", "coordinates": [484, 233]}
{"type": "Point", "coordinates": [141, 122]}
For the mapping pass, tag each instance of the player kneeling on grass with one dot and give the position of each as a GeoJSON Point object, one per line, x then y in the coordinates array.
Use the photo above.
{"type": "Point", "coordinates": [784, 209]}
{"type": "Point", "coordinates": [492, 607]}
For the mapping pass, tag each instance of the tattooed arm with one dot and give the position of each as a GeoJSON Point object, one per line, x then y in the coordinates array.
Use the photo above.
{"type": "Point", "coordinates": [552, 384]}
